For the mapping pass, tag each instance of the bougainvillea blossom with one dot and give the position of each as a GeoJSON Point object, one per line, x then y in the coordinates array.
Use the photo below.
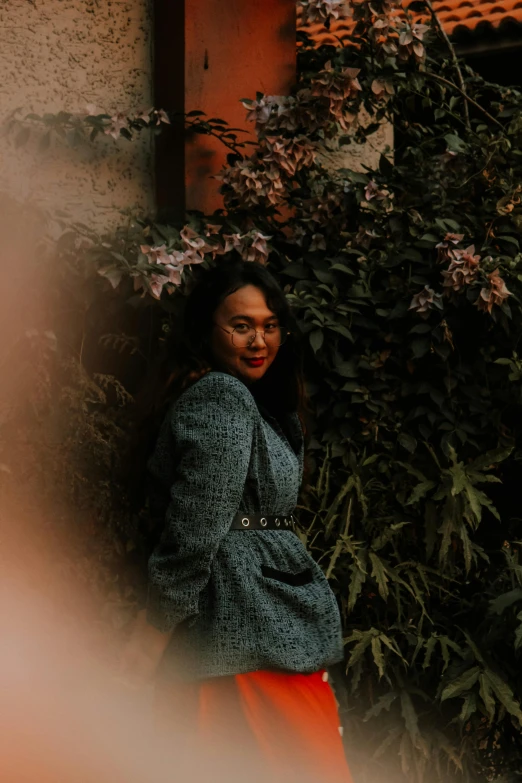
{"type": "Point", "coordinates": [425, 301]}
{"type": "Point", "coordinates": [324, 10]}
{"type": "Point", "coordinates": [462, 271]}
{"type": "Point", "coordinates": [253, 183]}
{"type": "Point", "coordinates": [291, 155]}
{"type": "Point", "coordinates": [495, 293]}
{"type": "Point", "coordinates": [443, 248]}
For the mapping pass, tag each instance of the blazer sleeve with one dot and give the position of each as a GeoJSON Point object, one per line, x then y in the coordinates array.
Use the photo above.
{"type": "Point", "coordinates": [212, 426]}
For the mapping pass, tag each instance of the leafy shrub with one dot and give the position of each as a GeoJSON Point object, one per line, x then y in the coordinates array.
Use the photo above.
{"type": "Point", "coordinates": [406, 281]}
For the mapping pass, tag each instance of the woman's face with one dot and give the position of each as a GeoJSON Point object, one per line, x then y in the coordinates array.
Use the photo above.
{"type": "Point", "coordinates": [245, 309]}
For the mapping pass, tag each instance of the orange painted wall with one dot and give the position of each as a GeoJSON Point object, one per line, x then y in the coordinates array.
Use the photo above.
{"type": "Point", "coordinates": [233, 48]}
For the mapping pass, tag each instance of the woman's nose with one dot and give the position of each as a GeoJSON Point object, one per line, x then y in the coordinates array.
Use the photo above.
{"type": "Point", "coordinates": [258, 341]}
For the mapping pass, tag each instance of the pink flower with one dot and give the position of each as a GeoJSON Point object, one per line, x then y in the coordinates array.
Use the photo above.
{"type": "Point", "coordinates": [113, 275]}
{"type": "Point", "coordinates": [364, 237]}
{"type": "Point", "coordinates": [318, 243]}
{"type": "Point", "coordinates": [192, 240]}
{"type": "Point", "coordinates": [338, 86]}
{"type": "Point", "coordinates": [295, 234]}
{"type": "Point", "coordinates": [172, 264]}
{"type": "Point", "coordinates": [144, 114]}
{"type": "Point", "coordinates": [233, 242]}
{"type": "Point", "coordinates": [174, 275]}
{"type": "Point", "coordinates": [291, 155]}
{"type": "Point", "coordinates": [383, 89]}
{"type": "Point", "coordinates": [425, 301]}
{"type": "Point", "coordinates": [462, 271]}
{"type": "Point", "coordinates": [254, 182]}
{"type": "Point", "coordinates": [161, 116]}
{"type": "Point", "coordinates": [324, 10]}
{"type": "Point", "coordinates": [118, 122]}
{"type": "Point", "coordinates": [190, 257]}
{"type": "Point", "coordinates": [257, 251]}
{"type": "Point", "coordinates": [156, 283]}
{"type": "Point", "coordinates": [410, 42]}
{"type": "Point", "coordinates": [156, 255]}
{"type": "Point", "coordinates": [494, 294]}
{"type": "Point", "coordinates": [443, 248]}
{"type": "Point", "coordinates": [261, 110]}
{"type": "Point", "coordinates": [372, 190]}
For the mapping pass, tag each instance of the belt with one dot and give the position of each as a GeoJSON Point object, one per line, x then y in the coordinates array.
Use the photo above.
{"type": "Point", "coordinates": [263, 522]}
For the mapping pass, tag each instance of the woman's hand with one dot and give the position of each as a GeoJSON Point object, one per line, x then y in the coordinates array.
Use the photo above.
{"type": "Point", "coordinates": [142, 652]}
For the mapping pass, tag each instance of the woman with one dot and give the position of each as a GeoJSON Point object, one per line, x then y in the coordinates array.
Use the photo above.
{"type": "Point", "coordinates": [240, 622]}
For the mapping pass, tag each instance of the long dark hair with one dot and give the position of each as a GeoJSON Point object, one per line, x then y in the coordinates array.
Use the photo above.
{"type": "Point", "coordinates": [186, 354]}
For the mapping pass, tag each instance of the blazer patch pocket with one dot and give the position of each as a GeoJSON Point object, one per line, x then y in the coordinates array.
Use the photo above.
{"type": "Point", "coordinates": [295, 580]}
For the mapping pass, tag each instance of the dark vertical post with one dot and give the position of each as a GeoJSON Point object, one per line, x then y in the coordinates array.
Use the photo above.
{"type": "Point", "coordinates": [169, 94]}
{"type": "Point", "coordinates": [208, 54]}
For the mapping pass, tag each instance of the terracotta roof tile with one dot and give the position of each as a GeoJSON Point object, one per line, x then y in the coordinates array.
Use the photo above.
{"type": "Point", "coordinates": [454, 14]}
{"type": "Point", "coordinates": [465, 13]}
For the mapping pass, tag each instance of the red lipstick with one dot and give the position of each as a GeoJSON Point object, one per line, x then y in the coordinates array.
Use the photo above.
{"type": "Point", "coordinates": [257, 362]}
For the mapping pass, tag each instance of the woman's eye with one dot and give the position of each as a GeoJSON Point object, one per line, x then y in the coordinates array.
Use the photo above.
{"type": "Point", "coordinates": [271, 327]}
{"type": "Point", "coordinates": [242, 328]}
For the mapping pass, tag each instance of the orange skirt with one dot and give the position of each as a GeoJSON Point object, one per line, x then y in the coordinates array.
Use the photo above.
{"type": "Point", "coordinates": [273, 727]}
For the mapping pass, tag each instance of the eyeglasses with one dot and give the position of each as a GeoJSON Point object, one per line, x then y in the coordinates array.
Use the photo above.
{"type": "Point", "coordinates": [243, 336]}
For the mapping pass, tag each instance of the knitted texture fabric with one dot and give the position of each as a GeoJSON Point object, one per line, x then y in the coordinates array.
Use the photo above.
{"type": "Point", "coordinates": [216, 456]}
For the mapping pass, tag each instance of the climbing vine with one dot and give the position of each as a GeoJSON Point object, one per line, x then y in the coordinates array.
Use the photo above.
{"type": "Point", "coordinates": [406, 279]}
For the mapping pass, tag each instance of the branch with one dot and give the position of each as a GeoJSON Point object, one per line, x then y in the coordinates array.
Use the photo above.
{"type": "Point", "coordinates": [454, 58]}
{"type": "Point", "coordinates": [201, 126]}
{"type": "Point", "coordinates": [464, 95]}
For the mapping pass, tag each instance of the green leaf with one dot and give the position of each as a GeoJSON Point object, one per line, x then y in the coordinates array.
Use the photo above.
{"type": "Point", "coordinates": [333, 510]}
{"type": "Point", "coordinates": [510, 240]}
{"type": "Point", "coordinates": [469, 707]}
{"type": "Point", "coordinates": [420, 347]}
{"type": "Point", "coordinates": [295, 270]}
{"type": "Point", "coordinates": [474, 499]}
{"type": "Point", "coordinates": [379, 574]}
{"type": "Point", "coordinates": [408, 713]}
{"type": "Point", "coordinates": [363, 641]}
{"type": "Point", "coordinates": [487, 696]}
{"type": "Point", "coordinates": [420, 491]}
{"type": "Point", "coordinates": [316, 339]}
{"type": "Point", "coordinates": [383, 703]}
{"type": "Point", "coordinates": [342, 268]}
{"type": "Point", "coordinates": [357, 581]}
{"type": "Point", "coordinates": [407, 442]}
{"type": "Point", "coordinates": [462, 684]}
{"type": "Point", "coordinates": [474, 649]}
{"type": "Point", "coordinates": [430, 647]}
{"type": "Point", "coordinates": [504, 694]}
{"type": "Point", "coordinates": [378, 656]}
{"type": "Point", "coordinates": [443, 641]}
{"type": "Point", "coordinates": [518, 633]}
{"type": "Point", "coordinates": [342, 330]}
{"type": "Point", "coordinates": [455, 144]}
{"type": "Point", "coordinates": [491, 458]}
{"type": "Point", "coordinates": [347, 370]}
{"type": "Point", "coordinates": [502, 602]}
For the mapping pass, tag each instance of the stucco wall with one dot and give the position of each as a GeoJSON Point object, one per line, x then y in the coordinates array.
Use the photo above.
{"type": "Point", "coordinates": [359, 157]}
{"type": "Point", "coordinates": [65, 54]}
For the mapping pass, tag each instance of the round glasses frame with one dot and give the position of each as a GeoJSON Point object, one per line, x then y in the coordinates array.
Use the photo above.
{"type": "Point", "coordinates": [245, 339]}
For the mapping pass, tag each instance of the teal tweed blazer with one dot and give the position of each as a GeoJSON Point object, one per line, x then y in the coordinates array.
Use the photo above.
{"type": "Point", "coordinates": [216, 456]}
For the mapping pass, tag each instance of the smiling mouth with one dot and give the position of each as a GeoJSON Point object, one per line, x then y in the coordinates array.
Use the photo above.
{"type": "Point", "coordinates": [255, 361]}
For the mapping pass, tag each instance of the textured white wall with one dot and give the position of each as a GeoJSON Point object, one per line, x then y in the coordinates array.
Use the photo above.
{"type": "Point", "coordinates": [65, 54]}
{"type": "Point", "coordinates": [359, 156]}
